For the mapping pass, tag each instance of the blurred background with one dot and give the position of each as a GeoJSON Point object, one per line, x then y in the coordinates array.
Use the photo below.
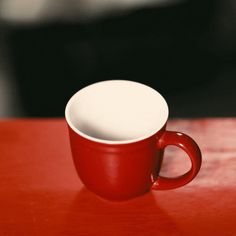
{"type": "Point", "coordinates": [185, 49]}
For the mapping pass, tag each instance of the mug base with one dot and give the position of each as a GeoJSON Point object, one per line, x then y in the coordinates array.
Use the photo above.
{"type": "Point", "coordinates": [116, 198]}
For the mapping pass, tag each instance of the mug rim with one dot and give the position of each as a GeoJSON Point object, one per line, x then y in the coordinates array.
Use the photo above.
{"type": "Point", "coordinates": [105, 141]}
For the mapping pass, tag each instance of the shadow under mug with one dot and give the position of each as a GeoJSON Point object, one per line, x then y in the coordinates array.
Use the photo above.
{"type": "Point", "coordinates": [118, 134]}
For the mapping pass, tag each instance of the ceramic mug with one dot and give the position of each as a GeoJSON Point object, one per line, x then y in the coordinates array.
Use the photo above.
{"type": "Point", "coordinates": [118, 134]}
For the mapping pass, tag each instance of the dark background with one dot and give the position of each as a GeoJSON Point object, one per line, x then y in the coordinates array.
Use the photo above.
{"type": "Point", "coordinates": [186, 51]}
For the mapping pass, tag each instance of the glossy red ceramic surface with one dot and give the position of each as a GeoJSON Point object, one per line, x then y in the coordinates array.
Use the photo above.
{"type": "Point", "coordinates": [41, 194]}
{"type": "Point", "coordinates": [124, 171]}
{"type": "Point", "coordinates": [188, 145]}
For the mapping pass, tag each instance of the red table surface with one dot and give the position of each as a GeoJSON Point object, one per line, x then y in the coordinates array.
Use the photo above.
{"type": "Point", "coordinates": [40, 193]}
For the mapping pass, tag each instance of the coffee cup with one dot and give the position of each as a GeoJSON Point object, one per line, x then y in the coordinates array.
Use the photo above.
{"type": "Point", "coordinates": [117, 131]}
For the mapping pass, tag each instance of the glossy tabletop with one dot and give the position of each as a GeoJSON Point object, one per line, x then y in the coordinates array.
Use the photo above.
{"type": "Point", "coordinates": [40, 193]}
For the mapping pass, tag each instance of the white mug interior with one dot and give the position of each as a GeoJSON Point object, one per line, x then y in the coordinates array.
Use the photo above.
{"type": "Point", "coordinates": [116, 111]}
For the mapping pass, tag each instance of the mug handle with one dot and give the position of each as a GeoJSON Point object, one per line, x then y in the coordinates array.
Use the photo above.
{"type": "Point", "coordinates": [186, 143]}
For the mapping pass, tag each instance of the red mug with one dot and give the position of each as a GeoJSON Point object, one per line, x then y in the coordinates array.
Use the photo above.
{"type": "Point", "coordinates": [118, 134]}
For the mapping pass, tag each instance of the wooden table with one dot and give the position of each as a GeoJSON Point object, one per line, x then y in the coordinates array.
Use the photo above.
{"type": "Point", "coordinates": [40, 193]}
